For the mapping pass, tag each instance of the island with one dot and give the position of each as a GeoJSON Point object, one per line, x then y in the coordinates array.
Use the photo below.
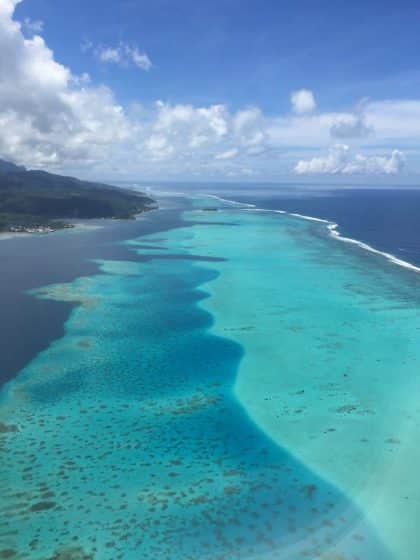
{"type": "Point", "coordinates": [34, 201]}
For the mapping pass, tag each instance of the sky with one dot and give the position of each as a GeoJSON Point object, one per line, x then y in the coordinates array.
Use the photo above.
{"type": "Point", "coordinates": [244, 90]}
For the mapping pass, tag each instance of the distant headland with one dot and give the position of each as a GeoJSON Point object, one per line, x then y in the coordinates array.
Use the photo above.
{"type": "Point", "coordinates": [35, 201]}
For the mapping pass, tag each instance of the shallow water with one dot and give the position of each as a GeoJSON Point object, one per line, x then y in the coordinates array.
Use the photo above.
{"type": "Point", "coordinates": [330, 369]}
{"type": "Point", "coordinates": [156, 429]}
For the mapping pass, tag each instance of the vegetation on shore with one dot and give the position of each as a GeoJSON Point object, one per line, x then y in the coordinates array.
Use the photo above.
{"type": "Point", "coordinates": [37, 200]}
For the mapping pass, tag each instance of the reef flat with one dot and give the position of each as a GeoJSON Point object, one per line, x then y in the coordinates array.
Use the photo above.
{"type": "Point", "coordinates": [330, 368]}
{"type": "Point", "coordinates": [126, 436]}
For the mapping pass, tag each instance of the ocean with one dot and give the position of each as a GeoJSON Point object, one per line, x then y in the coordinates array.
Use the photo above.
{"type": "Point", "coordinates": [215, 380]}
{"type": "Point", "coordinates": [385, 218]}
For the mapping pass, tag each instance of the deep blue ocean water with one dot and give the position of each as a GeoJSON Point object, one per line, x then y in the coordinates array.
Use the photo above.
{"type": "Point", "coordinates": [386, 218]}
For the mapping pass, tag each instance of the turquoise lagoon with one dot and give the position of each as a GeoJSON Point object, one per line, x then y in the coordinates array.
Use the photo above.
{"type": "Point", "coordinates": [246, 389]}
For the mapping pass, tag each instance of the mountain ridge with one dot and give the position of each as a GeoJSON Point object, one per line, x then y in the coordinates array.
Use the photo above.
{"type": "Point", "coordinates": [38, 199]}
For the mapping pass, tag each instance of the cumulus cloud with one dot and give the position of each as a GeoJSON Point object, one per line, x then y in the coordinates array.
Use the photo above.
{"type": "Point", "coordinates": [333, 162]}
{"type": "Point", "coordinates": [180, 128]}
{"type": "Point", "coordinates": [303, 101]}
{"type": "Point", "coordinates": [47, 115]}
{"type": "Point", "coordinates": [249, 129]}
{"type": "Point", "coordinates": [52, 118]}
{"type": "Point", "coordinates": [7, 7]}
{"type": "Point", "coordinates": [377, 164]}
{"type": "Point", "coordinates": [187, 131]}
{"type": "Point", "coordinates": [339, 161]}
{"type": "Point", "coordinates": [123, 54]}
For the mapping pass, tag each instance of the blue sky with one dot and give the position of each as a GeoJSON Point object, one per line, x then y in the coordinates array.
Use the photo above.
{"type": "Point", "coordinates": [206, 89]}
{"type": "Point", "coordinates": [243, 52]}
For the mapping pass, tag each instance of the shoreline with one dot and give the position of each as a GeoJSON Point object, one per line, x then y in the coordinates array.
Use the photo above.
{"type": "Point", "coordinates": [82, 224]}
{"type": "Point", "coordinates": [53, 259]}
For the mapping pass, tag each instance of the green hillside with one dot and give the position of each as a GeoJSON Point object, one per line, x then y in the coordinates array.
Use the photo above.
{"type": "Point", "coordinates": [31, 198]}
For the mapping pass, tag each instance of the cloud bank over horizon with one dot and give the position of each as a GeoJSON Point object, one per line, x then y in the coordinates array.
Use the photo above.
{"type": "Point", "coordinates": [339, 161]}
{"type": "Point", "coordinates": [55, 119]}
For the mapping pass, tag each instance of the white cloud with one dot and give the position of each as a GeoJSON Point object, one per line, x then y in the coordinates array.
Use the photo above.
{"type": "Point", "coordinates": [333, 162]}
{"type": "Point", "coordinates": [350, 126]}
{"type": "Point", "coordinates": [180, 128]}
{"type": "Point", "coordinates": [107, 54]}
{"type": "Point", "coordinates": [47, 115]}
{"type": "Point", "coordinates": [7, 7]}
{"type": "Point", "coordinates": [51, 118]}
{"type": "Point", "coordinates": [159, 146]}
{"type": "Point", "coordinates": [303, 101]}
{"type": "Point", "coordinates": [124, 55]}
{"type": "Point", "coordinates": [339, 161]}
{"type": "Point", "coordinates": [369, 165]}
{"type": "Point", "coordinates": [229, 154]}
{"type": "Point", "coordinates": [249, 129]}
{"type": "Point", "coordinates": [141, 60]}
{"type": "Point", "coordinates": [395, 120]}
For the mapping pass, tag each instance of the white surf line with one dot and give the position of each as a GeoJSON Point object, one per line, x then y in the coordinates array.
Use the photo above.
{"type": "Point", "coordinates": [310, 218]}
{"type": "Point", "coordinates": [331, 226]}
{"type": "Point", "coordinates": [333, 231]}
